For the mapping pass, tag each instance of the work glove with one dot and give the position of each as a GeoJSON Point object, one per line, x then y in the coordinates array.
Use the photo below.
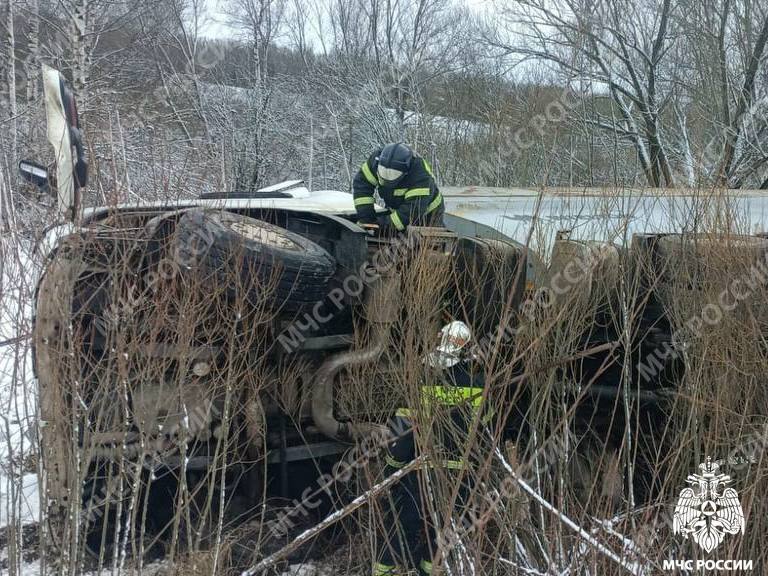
{"type": "Point", "coordinates": [385, 223]}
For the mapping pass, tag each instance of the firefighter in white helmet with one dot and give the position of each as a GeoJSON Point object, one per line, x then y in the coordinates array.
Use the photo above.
{"type": "Point", "coordinates": [450, 404]}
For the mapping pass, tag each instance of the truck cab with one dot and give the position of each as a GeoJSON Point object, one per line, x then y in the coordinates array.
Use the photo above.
{"type": "Point", "coordinates": [200, 344]}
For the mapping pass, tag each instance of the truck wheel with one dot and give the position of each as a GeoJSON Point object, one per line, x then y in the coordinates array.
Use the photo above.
{"type": "Point", "coordinates": [253, 257]}
{"type": "Point", "coordinates": [584, 277]}
{"type": "Point", "coordinates": [698, 258]}
{"type": "Point", "coordinates": [490, 278]}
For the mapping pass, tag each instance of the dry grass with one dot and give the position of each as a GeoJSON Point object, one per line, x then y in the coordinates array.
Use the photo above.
{"type": "Point", "coordinates": [613, 467]}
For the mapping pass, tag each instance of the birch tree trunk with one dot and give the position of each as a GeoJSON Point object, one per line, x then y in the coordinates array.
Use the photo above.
{"type": "Point", "coordinates": [78, 33]}
{"type": "Point", "coordinates": [688, 165]}
{"type": "Point", "coordinates": [258, 90]}
{"type": "Point", "coordinates": [8, 89]}
{"type": "Point", "coordinates": [261, 19]}
{"type": "Point", "coordinates": [32, 63]}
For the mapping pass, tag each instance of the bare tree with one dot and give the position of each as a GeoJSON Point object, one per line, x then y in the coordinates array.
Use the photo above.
{"type": "Point", "coordinates": [32, 62]}
{"type": "Point", "coordinates": [619, 46]}
{"type": "Point", "coordinates": [739, 102]}
{"type": "Point", "coordinates": [261, 22]}
{"type": "Point", "coordinates": [8, 86]}
{"type": "Point", "coordinates": [86, 24]}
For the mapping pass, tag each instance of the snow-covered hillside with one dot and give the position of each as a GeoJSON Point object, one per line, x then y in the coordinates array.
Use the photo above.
{"type": "Point", "coordinates": [19, 502]}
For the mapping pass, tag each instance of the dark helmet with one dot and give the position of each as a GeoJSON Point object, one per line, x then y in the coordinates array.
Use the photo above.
{"type": "Point", "coordinates": [394, 162]}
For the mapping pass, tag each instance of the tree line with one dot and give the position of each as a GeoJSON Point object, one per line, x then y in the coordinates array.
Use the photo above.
{"type": "Point", "coordinates": [648, 93]}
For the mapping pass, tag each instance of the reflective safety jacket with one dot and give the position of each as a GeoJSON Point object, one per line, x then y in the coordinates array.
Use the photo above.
{"type": "Point", "coordinates": [416, 199]}
{"type": "Point", "coordinates": [451, 407]}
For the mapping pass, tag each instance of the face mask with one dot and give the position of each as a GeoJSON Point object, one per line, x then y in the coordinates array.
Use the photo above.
{"type": "Point", "coordinates": [388, 174]}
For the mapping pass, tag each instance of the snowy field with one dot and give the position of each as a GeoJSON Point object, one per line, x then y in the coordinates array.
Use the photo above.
{"type": "Point", "coordinates": [19, 500]}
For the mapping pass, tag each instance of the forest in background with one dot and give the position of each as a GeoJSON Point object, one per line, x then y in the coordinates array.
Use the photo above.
{"type": "Point", "coordinates": [512, 93]}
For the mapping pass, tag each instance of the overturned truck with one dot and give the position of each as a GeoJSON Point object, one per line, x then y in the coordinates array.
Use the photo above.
{"type": "Point", "coordinates": [190, 355]}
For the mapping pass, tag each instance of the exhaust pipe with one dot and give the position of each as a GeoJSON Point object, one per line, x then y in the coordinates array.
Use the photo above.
{"type": "Point", "coordinates": [381, 309]}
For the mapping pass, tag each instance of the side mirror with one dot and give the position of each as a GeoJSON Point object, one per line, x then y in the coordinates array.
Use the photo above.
{"type": "Point", "coordinates": [64, 135]}
{"type": "Point", "coordinates": [35, 174]}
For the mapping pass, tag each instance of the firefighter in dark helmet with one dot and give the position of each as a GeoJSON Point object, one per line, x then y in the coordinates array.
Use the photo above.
{"type": "Point", "coordinates": [406, 184]}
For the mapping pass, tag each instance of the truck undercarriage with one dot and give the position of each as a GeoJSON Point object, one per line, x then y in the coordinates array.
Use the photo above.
{"type": "Point", "coordinates": [181, 344]}
{"type": "Point", "coordinates": [195, 360]}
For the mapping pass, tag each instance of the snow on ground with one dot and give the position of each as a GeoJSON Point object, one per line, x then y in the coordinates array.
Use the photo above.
{"type": "Point", "coordinates": [155, 569]}
{"type": "Point", "coordinates": [31, 569]}
{"type": "Point", "coordinates": [163, 568]}
{"type": "Point", "coordinates": [27, 508]}
{"type": "Point", "coordinates": [18, 482]}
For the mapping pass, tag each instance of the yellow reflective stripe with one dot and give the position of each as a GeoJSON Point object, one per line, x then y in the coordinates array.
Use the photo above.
{"type": "Point", "coordinates": [396, 220]}
{"type": "Point", "coordinates": [400, 191]}
{"type": "Point", "coordinates": [435, 203]}
{"type": "Point", "coordinates": [447, 464]}
{"type": "Point", "coordinates": [415, 192]}
{"type": "Point", "coordinates": [368, 174]}
{"type": "Point", "coordinates": [447, 396]}
{"type": "Point", "coordinates": [452, 395]}
{"type": "Point", "coordinates": [363, 200]}
{"type": "Point", "coordinates": [383, 570]}
{"type": "Point", "coordinates": [425, 566]}
{"type": "Point", "coordinates": [393, 463]}
{"type": "Point", "coordinates": [427, 167]}
{"type": "Point", "coordinates": [488, 416]}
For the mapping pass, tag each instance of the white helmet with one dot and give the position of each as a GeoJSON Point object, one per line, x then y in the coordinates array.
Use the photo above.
{"type": "Point", "coordinates": [454, 338]}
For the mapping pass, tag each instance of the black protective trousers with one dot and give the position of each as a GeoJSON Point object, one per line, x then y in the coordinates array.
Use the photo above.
{"type": "Point", "coordinates": [407, 533]}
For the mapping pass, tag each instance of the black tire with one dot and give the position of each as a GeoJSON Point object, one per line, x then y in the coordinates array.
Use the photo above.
{"type": "Point", "coordinates": [690, 257]}
{"type": "Point", "coordinates": [295, 268]}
